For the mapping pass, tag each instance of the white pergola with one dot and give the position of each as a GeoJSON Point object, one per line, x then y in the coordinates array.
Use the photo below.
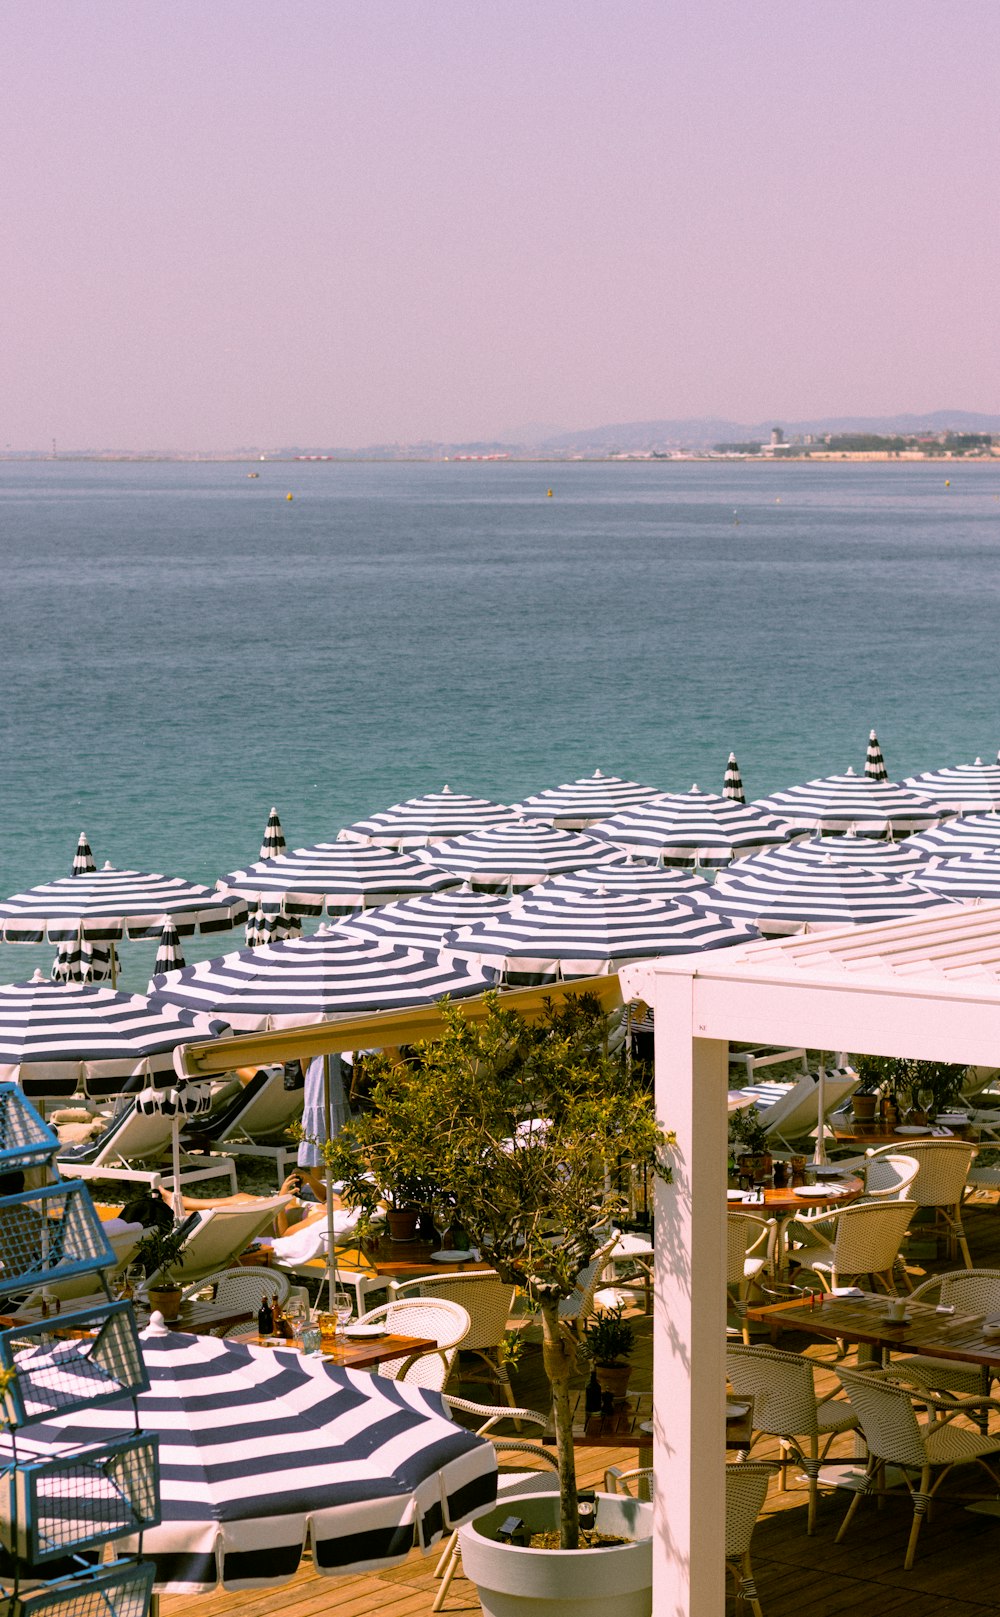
{"type": "Point", "coordinates": [924, 988]}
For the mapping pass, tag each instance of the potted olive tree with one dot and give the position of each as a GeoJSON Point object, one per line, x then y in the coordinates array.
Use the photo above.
{"type": "Point", "coordinates": [519, 1123]}
{"type": "Point", "coordinates": [609, 1341]}
{"type": "Point", "coordinates": [752, 1143]}
{"type": "Point", "coordinates": [161, 1251]}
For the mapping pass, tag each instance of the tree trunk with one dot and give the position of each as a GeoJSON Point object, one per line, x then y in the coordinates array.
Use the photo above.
{"type": "Point", "coordinates": [559, 1358]}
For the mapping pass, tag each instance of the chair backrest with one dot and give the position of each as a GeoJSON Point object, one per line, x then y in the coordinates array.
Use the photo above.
{"type": "Point", "coordinates": [886, 1416]}
{"type": "Point", "coordinates": [486, 1299]}
{"type": "Point", "coordinates": [868, 1236]}
{"type": "Point", "coordinates": [218, 1235]}
{"type": "Point", "coordinates": [889, 1175]}
{"type": "Point", "coordinates": [966, 1290]}
{"type": "Point", "coordinates": [742, 1232]}
{"type": "Point", "coordinates": [262, 1109]}
{"type": "Point", "coordinates": [796, 1115]}
{"type": "Point", "coordinates": [944, 1169]}
{"type": "Point", "coordinates": [444, 1322]}
{"type": "Point", "coordinates": [579, 1305]}
{"type": "Point", "coordinates": [242, 1288]}
{"type": "Point", "coordinates": [746, 1490]}
{"type": "Point", "coordinates": [132, 1136]}
{"type": "Point", "coordinates": [781, 1386]}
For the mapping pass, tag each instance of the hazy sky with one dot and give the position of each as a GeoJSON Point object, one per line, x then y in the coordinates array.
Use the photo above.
{"type": "Point", "coordinates": [229, 222]}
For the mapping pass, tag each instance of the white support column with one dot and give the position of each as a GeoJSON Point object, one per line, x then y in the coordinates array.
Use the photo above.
{"type": "Point", "coordinates": [689, 1313]}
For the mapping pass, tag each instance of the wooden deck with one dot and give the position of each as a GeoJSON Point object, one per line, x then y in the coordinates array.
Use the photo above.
{"type": "Point", "coordinates": [955, 1574]}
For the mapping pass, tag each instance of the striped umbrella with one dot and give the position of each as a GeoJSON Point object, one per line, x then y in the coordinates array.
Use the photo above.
{"type": "Point", "coordinates": [516, 855]}
{"type": "Point", "coordinates": [81, 962]}
{"type": "Point", "coordinates": [964, 789]}
{"type": "Point", "coordinates": [109, 904]}
{"type": "Point", "coordinates": [261, 1452]}
{"type": "Point", "coordinates": [579, 803]}
{"type": "Point", "coordinates": [874, 762]}
{"type": "Point", "coordinates": [567, 935]}
{"type": "Point", "coordinates": [692, 828]}
{"type": "Point", "coordinates": [83, 859]}
{"type": "Point", "coordinates": [169, 956]}
{"type": "Point", "coordinates": [421, 923]}
{"type": "Point", "coordinates": [311, 979]}
{"type": "Point", "coordinates": [818, 896]}
{"type": "Point", "coordinates": [891, 858]}
{"type": "Point", "coordinates": [972, 833]}
{"type": "Point", "coordinates": [970, 877]}
{"type": "Point", "coordinates": [627, 875]}
{"type": "Point", "coordinates": [274, 837]}
{"type": "Point", "coordinates": [428, 819]}
{"type": "Point", "coordinates": [334, 876]}
{"type": "Point", "coordinates": [732, 785]}
{"type": "Point", "coordinates": [271, 926]}
{"type": "Point", "coordinates": [850, 802]}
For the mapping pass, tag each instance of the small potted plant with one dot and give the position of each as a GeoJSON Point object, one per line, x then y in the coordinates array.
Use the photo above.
{"type": "Point", "coordinates": [864, 1101]}
{"type": "Point", "coordinates": [610, 1340]}
{"type": "Point", "coordinates": [752, 1143]}
{"type": "Point", "coordinates": [161, 1251]}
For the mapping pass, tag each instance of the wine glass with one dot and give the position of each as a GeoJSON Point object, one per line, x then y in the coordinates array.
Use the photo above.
{"type": "Point", "coordinates": [296, 1313]}
{"type": "Point", "coordinates": [132, 1278]}
{"type": "Point", "coordinates": [341, 1307]}
{"type": "Point", "coordinates": [925, 1100]}
{"type": "Point", "coordinates": [442, 1216]}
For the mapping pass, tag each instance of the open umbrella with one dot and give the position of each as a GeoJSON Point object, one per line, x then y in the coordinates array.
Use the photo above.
{"type": "Point", "coordinates": [261, 1452]}
{"type": "Point", "coordinates": [692, 828]}
{"type": "Point", "coordinates": [891, 858]}
{"type": "Point", "coordinates": [274, 837]}
{"type": "Point", "coordinates": [517, 855]}
{"type": "Point", "coordinates": [963, 789]}
{"type": "Point", "coordinates": [973, 833]}
{"type": "Point", "coordinates": [334, 876]}
{"type": "Point", "coordinates": [874, 762]}
{"type": "Point", "coordinates": [579, 803]}
{"type": "Point", "coordinates": [969, 878]}
{"type": "Point", "coordinates": [732, 785]}
{"type": "Point", "coordinates": [626, 875]}
{"type": "Point", "coordinates": [850, 802]}
{"type": "Point", "coordinates": [421, 923]}
{"type": "Point", "coordinates": [428, 819]}
{"type": "Point", "coordinates": [821, 895]}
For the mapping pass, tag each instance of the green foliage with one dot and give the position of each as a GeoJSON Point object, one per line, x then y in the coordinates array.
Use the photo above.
{"type": "Point", "coordinates": [747, 1132]}
{"type": "Point", "coordinates": [903, 1077]}
{"type": "Point", "coordinates": [161, 1251]}
{"type": "Point", "coordinates": [609, 1337]}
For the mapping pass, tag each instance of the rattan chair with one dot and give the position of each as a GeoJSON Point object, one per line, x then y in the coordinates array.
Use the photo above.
{"type": "Point", "coordinates": [968, 1291]}
{"type": "Point", "coordinates": [744, 1260]}
{"type": "Point", "coordinates": [940, 1185]}
{"type": "Point", "coordinates": [785, 1406]}
{"type": "Point", "coordinates": [444, 1322]}
{"type": "Point", "coordinates": [579, 1305]}
{"type": "Point", "coordinates": [888, 1421]}
{"type": "Point", "coordinates": [241, 1290]}
{"type": "Point", "coordinates": [488, 1301]}
{"type": "Point", "coordinates": [888, 1176]}
{"type": "Point", "coordinates": [865, 1243]}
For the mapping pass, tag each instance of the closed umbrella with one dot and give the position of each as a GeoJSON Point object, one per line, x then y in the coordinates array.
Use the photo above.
{"type": "Point", "coordinates": [973, 833]}
{"type": "Point", "coordinates": [430, 818]}
{"type": "Point", "coordinates": [874, 762]}
{"type": "Point", "coordinates": [732, 785]}
{"type": "Point", "coordinates": [274, 837]}
{"type": "Point", "coordinates": [334, 876]}
{"type": "Point", "coordinates": [83, 859]}
{"type": "Point", "coordinates": [580, 803]}
{"type": "Point", "coordinates": [963, 789]}
{"type": "Point", "coordinates": [262, 1452]}
{"type": "Point", "coordinates": [517, 855]}
{"type": "Point", "coordinates": [169, 956]}
{"type": "Point", "coordinates": [421, 923]}
{"type": "Point", "coordinates": [818, 896]}
{"type": "Point", "coordinates": [692, 828]}
{"type": "Point", "coordinates": [849, 802]}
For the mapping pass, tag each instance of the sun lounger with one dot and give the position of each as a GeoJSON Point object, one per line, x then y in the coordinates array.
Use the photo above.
{"type": "Point", "coordinates": [215, 1237]}
{"type": "Point", "coordinates": [137, 1136]}
{"type": "Point", "coordinates": [262, 1110]}
{"type": "Point", "coordinates": [789, 1111]}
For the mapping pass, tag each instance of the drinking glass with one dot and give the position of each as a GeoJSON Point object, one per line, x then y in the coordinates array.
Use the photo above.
{"type": "Point", "coordinates": [442, 1217]}
{"type": "Point", "coordinates": [296, 1313]}
{"type": "Point", "coordinates": [925, 1100]}
{"type": "Point", "coordinates": [341, 1307]}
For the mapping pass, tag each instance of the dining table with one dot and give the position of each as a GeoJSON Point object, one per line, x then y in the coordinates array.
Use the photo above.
{"type": "Point", "coordinates": [785, 1202]}
{"type": "Point", "coordinates": [863, 1318]}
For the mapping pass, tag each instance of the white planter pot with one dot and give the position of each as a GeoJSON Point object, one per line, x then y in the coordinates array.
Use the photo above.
{"type": "Point", "coordinates": [516, 1582]}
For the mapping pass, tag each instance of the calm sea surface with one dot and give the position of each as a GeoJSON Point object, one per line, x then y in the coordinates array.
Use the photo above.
{"type": "Point", "coordinates": [183, 647]}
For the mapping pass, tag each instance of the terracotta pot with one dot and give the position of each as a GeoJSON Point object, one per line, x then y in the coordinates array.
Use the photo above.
{"type": "Point", "coordinates": [403, 1223]}
{"type": "Point", "coordinates": [863, 1107]}
{"type": "Point", "coordinates": [166, 1300]}
{"type": "Point", "coordinates": [613, 1378]}
{"type": "Point", "coordinates": [757, 1165]}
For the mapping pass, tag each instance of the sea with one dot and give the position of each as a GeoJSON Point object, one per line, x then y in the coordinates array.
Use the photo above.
{"type": "Point", "coordinates": [184, 645]}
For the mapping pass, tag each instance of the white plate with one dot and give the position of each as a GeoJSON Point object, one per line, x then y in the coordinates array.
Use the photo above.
{"type": "Point", "coordinates": [735, 1410]}
{"type": "Point", "coordinates": [913, 1128]}
{"type": "Point", "coordinates": [904, 1321]}
{"type": "Point", "coordinates": [452, 1257]}
{"type": "Point", "coordinates": [365, 1333]}
{"type": "Point", "coordinates": [734, 1195]}
{"type": "Point", "coordinates": [823, 1191]}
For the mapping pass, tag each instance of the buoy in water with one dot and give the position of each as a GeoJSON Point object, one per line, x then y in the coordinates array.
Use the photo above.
{"type": "Point", "coordinates": [548, 494]}
{"type": "Point", "coordinates": [289, 496]}
{"type": "Point", "coordinates": [947, 482]}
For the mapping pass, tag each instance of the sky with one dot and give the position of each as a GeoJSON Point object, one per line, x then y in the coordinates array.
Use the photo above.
{"type": "Point", "coordinates": [335, 223]}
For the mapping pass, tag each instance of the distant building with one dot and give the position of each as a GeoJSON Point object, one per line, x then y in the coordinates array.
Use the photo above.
{"type": "Point", "coordinates": [777, 437]}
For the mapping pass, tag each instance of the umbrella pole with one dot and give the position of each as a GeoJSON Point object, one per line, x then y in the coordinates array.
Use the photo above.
{"type": "Point", "coordinates": [114, 967]}
{"type": "Point", "coordinates": [819, 1155]}
{"type": "Point", "coordinates": [331, 1259]}
{"type": "Point", "coordinates": [175, 1146]}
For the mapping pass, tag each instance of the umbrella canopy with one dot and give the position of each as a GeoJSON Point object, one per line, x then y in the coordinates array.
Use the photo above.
{"type": "Point", "coordinates": [850, 802]}
{"type": "Point", "coordinates": [169, 956]}
{"type": "Point", "coordinates": [274, 837]}
{"type": "Point", "coordinates": [627, 875]}
{"type": "Point", "coordinates": [57, 1031]}
{"type": "Point", "coordinates": [579, 803]}
{"type": "Point", "coordinates": [262, 1451]}
{"type": "Point", "coordinates": [109, 904]}
{"type": "Point", "coordinates": [891, 858]}
{"type": "Point", "coordinates": [516, 855]}
{"type": "Point", "coordinates": [874, 762]}
{"type": "Point", "coordinates": [428, 819]}
{"type": "Point", "coordinates": [565, 935]}
{"type": "Point", "coordinates": [81, 962]}
{"type": "Point", "coordinates": [973, 833]}
{"type": "Point", "coordinates": [964, 789]}
{"type": "Point", "coordinates": [732, 784]}
{"type": "Point", "coordinates": [421, 923]}
{"type": "Point", "coordinates": [334, 876]}
{"type": "Point", "coordinates": [311, 979]}
{"type": "Point", "coordinates": [817, 896]}
{"type": "Point", "coordinates": [692, 828]}
{"type": "Point", "coordinates": [83, 859]}
{"type": "Point", "coordinates": [271, 926]}
{"type": "Point", "coordinates": [969, 877]}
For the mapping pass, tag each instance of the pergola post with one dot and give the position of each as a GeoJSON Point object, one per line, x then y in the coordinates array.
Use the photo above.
{"type": "Point", "coordinates": [689, 1327]}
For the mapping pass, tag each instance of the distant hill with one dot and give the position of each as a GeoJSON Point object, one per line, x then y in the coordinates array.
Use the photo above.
{"type": "Point", "coordinates": [702, 432]}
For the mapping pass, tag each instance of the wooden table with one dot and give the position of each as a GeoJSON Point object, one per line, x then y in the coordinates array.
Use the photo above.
{"type": "Point", "coordinates": [873, 1135]}
{"type": "Point", "coordinates": [358, 1355]}
{"type": "Point", "coordinates": [412, 1260]}
{"type": "Point", "coordinates": [862, 1320]}
{"type": "Point", "coordinates": [783, 1204]}
{"type": "Point", "coordinates": [626, 1426]}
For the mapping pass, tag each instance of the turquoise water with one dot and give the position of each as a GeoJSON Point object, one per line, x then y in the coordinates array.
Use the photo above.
{"type": "Point", "coordinates": [184, 647]}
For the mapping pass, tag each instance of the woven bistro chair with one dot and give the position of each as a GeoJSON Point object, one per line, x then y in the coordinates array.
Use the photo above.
{"type": "Point", "coordinates": [744, 1260]}
{"type": "Point", "coordinates": [240, 1290]}
{"type": "Point", "coordinates": [579, 1305]}
{"type": "Point", "coordinates": [865, 1243]}
{"type": "Point", "coordinates": [889, 1424]}
{"type": "Point", "coordinates": [968, 1291]}
{"type": "Point", "coordinates": [746, 1490]}
{"type": "Point", "coordinates": [940, 1185]}
{"type": "Point", "coordinates": [444, 1322]}
{"type": "Point", "coordinates": [785, 1406]}
{"type": "Point", "coordinates": [488, 1301]}
{"type": "Point", "coordinates": [888, 1176]}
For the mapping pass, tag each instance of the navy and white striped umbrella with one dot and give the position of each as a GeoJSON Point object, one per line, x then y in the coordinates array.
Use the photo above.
{"type": "Point", "coordinates": [109, 904]}
{"type": "Point", "coordinates": [274, 837]}
{"type": "Point", "coordinates": [428, 819]}
{"type": "Point", "coordinates": [969, 878]}
{"type": "Point", "coordinates": [580, 803]}
{"type": "Point", "coordinates": [334, 876]}
{"type": "Point", "coordinates": [271, 926]}
{"type": "Point", "coordinates": [516, 855]}
{"type": "Point", "coordinates": [692, 828]}
{"type": "Point", "coordinates": [627, 875]}
{"type": "Point", "coordinates": [264, 1451]}
{"type": "Point", "coordinates": [309, 980]}
{"type": "Point", "coordinates": [850, 802]}
{"type": "Point", "coordinates": [971, 834]}
{"type": "Point", "coordinates": [567, 935]}
{"type": "Point", "coordinates": [169, 955]}
{"type": "Point", "coordinates": [891, 858]}
{"type": "Point", "coordinates": [81, 962]}
{"type": "Point", "coordinates": [732, 785]}
{"type": "Point", "coordinates": [818, 896]}
{"type": "Point", "coordinates": [874, 762]}
{"type": "Point", "coordinates": [964, 789]}
{"type": "Point", "coordinates": [421, 923]}
{"type": "Point", "coordinates": [55, 1032]}
{"type": "Point", "coordinates": [83, 859]}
